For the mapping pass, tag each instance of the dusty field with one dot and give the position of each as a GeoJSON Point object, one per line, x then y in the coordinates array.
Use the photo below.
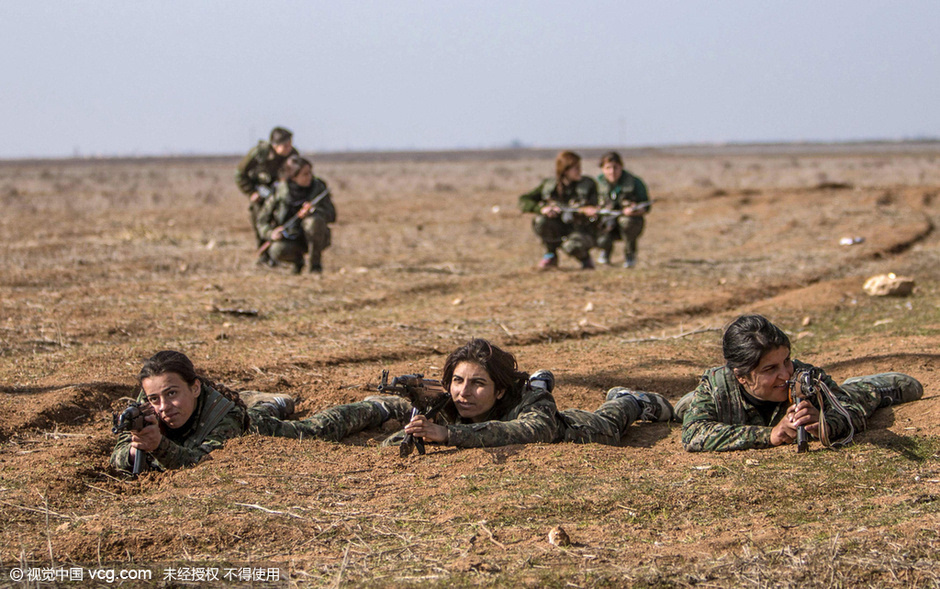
{"type": "Point", "coordinates": [105, 262]}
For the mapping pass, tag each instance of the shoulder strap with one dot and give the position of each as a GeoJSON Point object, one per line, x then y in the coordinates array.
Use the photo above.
{"type": "Point", "coordinates": [216, 407]}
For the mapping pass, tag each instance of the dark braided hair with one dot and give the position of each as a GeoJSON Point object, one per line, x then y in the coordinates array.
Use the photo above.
{"type": "Point", "coordinates": [167, 361]}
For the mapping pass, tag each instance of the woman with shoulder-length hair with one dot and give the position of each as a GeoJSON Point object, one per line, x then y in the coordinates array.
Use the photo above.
{"type": "Point", "coordinates": [493, 403]}
{"type": "Point", "coordinates": [746, 403]}
{"type": "Point", "coordinates": [565, 207]}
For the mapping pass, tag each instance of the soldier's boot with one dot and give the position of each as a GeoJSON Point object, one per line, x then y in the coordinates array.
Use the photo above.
{"type": "Point", "coordinates": [542, 379]}
{"type": "Point", "coordinates": [629, 261]}
{"type": "Point", "coordinates": [604, 257]}
{"type": "Point", "coordinates": [895, 388]}
{"type": "Point", "coordinates": [653, 406]}
{"type": "Point", "coordinates": [682, 406]}
{"type": "Point", "coordinates": [314, 264]}
{"type": "Point", "coordinates": [280, 406]}
{"type": "Point", "coordinates": [549, 260]}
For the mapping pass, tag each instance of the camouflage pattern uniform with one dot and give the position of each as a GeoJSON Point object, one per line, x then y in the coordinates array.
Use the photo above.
{"type": "Point", "coordinates": [719, 418]}
{"type": "Point", "coordinates": [215, 419]}
{"type": "Point", "coordinates": [533, 418]}
{"type": "Point", "coordinates": [311, 236]}
{"type": "Point", "coordinates": [259, 169]}
{"type": "Point", "coordinates": [573, 232]}
{"type": "Point", "coordinates": [332, 424]}
{"type": "Point", "coordinates": [627, 189]}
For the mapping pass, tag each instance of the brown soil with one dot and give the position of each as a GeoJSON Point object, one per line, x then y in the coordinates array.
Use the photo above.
{"type": "Point", "coordinates": [105, 262]}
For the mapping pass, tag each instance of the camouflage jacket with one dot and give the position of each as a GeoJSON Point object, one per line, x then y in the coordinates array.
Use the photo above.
{"type": "Point", "coordinates": [627, 188]}
{"type": "Point", "coordinates": [259, 167]}
{"type": "Point", "coordinates": [217, 419]}
{"type": "Point", "coordinates": [579, 194]}
{"type": "Point", "coordinates": [286, 202]}
{"type": "Point", "coordinates": [531, 419]}
{"type": "Point", "coordinates": [720, 419]}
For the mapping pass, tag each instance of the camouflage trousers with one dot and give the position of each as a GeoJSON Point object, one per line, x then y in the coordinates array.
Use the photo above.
{"type": "Point", "coordinates": [254, 209]}
{"type": "Point", "coordinates": [607, 425]}
{"type": "Point", "coordinates": [625, 226]}
{"type": "Point", "coordinates": [313, 239]}
{"type": "Point", "coordinates": [574, 240]}
{"type": "Point", "coordinates": [332, 424]}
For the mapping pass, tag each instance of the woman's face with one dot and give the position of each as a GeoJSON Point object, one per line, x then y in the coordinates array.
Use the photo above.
{"type": "Point", "coordinates": [612, 171]}
{"type": "Point", "coordinates": [768, 382]}
{"type": "Point", "coordinates": [304, 177]}
{"type": "Point", "coordinates": [172, 399]}
{"type": "Point", "coordinates": [573, 174]}
{"type": "Point", "coordinates": [473, 391]}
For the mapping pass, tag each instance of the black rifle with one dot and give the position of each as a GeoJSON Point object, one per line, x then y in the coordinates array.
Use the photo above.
{"type": "Point", "coordinates": [132, 419]}
{"type": "Point", "coordinates": [427, 398]}
{"type": "Point", "coordinates": [803, 388]}
{"type": "Point", "coordinates": [294, 219]}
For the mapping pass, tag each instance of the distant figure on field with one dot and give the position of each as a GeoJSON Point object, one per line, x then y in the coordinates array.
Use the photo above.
{"type": "Point", "coordinates": [258, 171]}
{"type": "Point", "coordinates": [619, 190]}
{"type": "Point", "coordinates": [564, 206]}
{"type": "Point", "coordinates": [746, 403]}
{"type": "Point", "coordinates": [295, 220]}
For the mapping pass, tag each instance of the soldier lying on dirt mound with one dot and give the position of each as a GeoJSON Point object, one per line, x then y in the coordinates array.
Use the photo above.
{"type": "Point", "coordinates": [494, 404]}
{"type": "Point", "coordinates": [564, 207]}
{"type": "Point", "coordinates": [747, 402]}
{"type": "Point", "coordinates": [491, 404]}
{"type": "Point", "coordinates": [295, 220]}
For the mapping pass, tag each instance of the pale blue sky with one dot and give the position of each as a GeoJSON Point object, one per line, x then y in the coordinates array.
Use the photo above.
{"type": "Point", "coordinates": [102, 77]}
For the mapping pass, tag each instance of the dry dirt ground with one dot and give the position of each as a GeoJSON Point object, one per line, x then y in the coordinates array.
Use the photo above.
{"type": "Point", "coordinates": [105, 262]}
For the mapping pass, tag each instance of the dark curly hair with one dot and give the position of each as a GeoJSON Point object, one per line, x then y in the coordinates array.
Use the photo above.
{"type": "Point", "coordinates": [499, 364]}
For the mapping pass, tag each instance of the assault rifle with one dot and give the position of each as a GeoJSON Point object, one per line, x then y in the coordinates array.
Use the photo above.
{"type": "Point", "coordinates": [295, 218]}
{"type": "Point", "coordinates": [427, 398]}
{"type": "Point", "coordinates": [803, 388]}
{"type": "Point", "coordinates": [132, 419]}
{"type": "Point", "coordinates": [605, 212]}
{"type": "Point", "coordinates": [808, 384]}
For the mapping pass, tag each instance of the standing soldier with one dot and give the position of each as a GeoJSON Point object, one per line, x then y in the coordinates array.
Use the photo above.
{"type": "Point", "coordinates": [564, 208]}
{"type": "Point", "coordinates": [257, 173]}
{"type": "Point", "coordinates": [295, 220]}
{"type": "Point", "coordinates": [620, 190]}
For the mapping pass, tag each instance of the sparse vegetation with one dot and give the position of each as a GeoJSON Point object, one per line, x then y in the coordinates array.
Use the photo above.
{"type": "Point", "coordinates": [104, 263]}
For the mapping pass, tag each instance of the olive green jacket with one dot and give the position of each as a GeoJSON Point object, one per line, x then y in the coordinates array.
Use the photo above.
{"type": "Point", "coordinates": [217, 419]}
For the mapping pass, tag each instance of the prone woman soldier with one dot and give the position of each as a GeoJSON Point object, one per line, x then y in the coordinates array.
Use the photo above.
{"type": "Point", "coordinates": [295, 220]}
{"type": "Point", "coordinates": [564, 207]}
{"type": "Point", "coordinates": [187, 416]}
{"type": "Point", "coordinates": [746, 403]}
{"type": "Point", "coordinates": [493, 403]}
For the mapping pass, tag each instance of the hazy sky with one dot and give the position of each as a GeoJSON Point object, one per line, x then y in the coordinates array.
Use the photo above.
{"type": "Point", "coordinates": [101, 77]}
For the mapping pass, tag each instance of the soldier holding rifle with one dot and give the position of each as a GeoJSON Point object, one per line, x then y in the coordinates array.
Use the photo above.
{"type": "Point", "coordinates": [295, 221]}
{"type": "Point", "coordinates": [619, 190]}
